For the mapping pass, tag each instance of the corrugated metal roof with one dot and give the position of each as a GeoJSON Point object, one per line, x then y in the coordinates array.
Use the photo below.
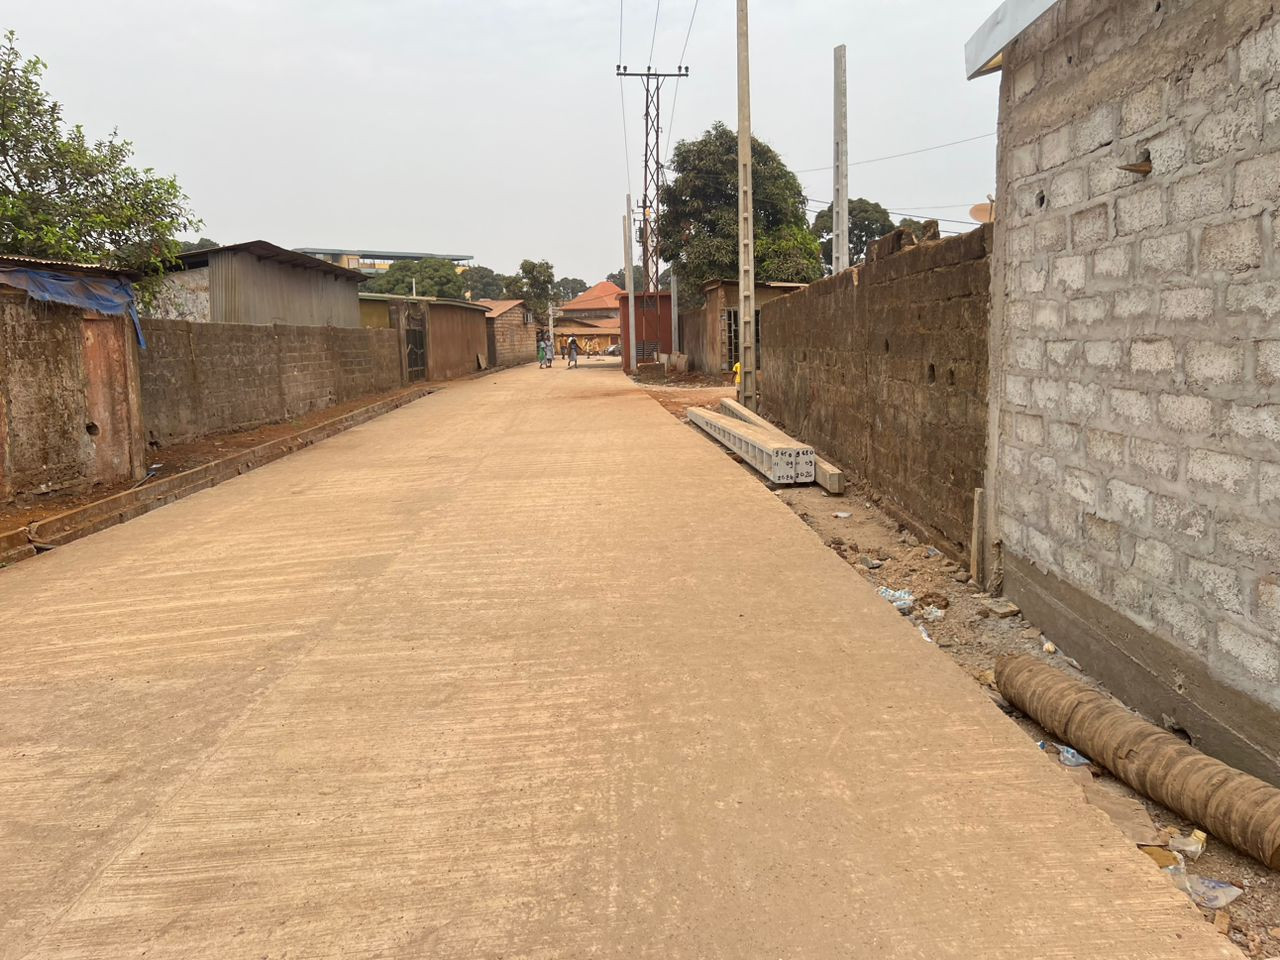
{"type": "Point", "coordinates": [983, 51]}
{"type": "Point", "coordinates": [474, 305]}
{"type": "Point", "coordinates": [498, 307]}
{"type": "Point", "coordinates": [67, 266]}
{"type": "Point", "coordinates": [382, 254]}
{"type": "Point", "coordinates": [269, 251]}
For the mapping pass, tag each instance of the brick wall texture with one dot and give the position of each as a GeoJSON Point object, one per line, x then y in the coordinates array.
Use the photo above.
{"type": "Point", "coordinates": [1136, 356]}
{"type": "Point", "coordinates": [514, 341]}
{"type": "Point", "coordinates": [884, 369]}
{"type": "Point", "coordinates": [202, 378]}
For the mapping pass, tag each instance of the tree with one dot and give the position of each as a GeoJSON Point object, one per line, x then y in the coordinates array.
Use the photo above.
{"type": "Point", "coordinates": [430, 277]}
{"type": "Point", "coordinates": [619, 277]}
{"type": "Point", "coordinates": [867, 221]}
{"type": "Point", "coordinates": [915, 226]}
{"type": "Point", "coordinates": [533, 283]}
{"type": "Point", "coordinates": [699, 227]}
{"type": "Point", "coordinates": [204, 243]}
{"type": "Point", "coordinates": [484, 284]}
{"type": "Point", "coordinates": [566, 288]}
{"type": "Point", "coordinates": [64, 197]}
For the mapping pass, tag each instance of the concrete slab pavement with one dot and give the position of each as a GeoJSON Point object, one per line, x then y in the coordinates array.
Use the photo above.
{"type": "Point", "coordinates": [405, 694]}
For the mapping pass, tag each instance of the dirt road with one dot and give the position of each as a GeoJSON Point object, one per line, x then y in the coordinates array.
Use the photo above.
{"type": "Point", "coordinates": [524, 669]}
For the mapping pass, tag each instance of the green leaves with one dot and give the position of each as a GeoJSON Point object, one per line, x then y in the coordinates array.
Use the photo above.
{"type": "Point", "coordinates": [699, 228]}
{"type": "Point", "coordinates": [428, 278]}
{"type": "Point", "coordinates": [64, 197]}
{"type": "Point", "coordinates": [867, 221]}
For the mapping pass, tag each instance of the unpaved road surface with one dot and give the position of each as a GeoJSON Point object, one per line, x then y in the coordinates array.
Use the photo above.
{"type": "Point", "coordinates": [525, 669]}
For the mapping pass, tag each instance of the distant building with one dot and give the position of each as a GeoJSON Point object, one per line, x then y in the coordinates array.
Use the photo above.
{"type": "Point", "coordinates": [443, 338]}
{"type": "Point", "coordinates": [512, 332]}
{"type": "Point", "coordinates": [258, 282]}
{"type": "Point", "coordinates": [374, 262]}
{"type": "Point", "coordinates": [592, 315]}
{"type": "Point", "coordinates": [709, 335]}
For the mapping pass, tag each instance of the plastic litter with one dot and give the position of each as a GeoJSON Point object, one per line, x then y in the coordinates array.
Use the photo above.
{"type": "Point", "coordinates": [933, 614]}
{"type": "Point", "coordinates": [1049, 647]}
{"type": "Point", "coordinates": [1190, 846]}
{"type": "Point", "coordinates": [1067, 756]}
{"type": "Point", "coordinates": [1203, 891]}
{"type": "Point", "coordinates": [932, 552]}
{"type": "Point", "coordinates": [924, 633]}
{"type": "Point", "coordinates": [841, 515]}
{"type": "Point", "coordinates": [903, 600]}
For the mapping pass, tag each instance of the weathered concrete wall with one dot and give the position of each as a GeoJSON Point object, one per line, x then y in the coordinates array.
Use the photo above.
{"type": "Point", "coordinates": [704, 333]}
{"type": "Point", "coordinates": [201, 378]}
{"type": "Point", "coordinates": [512, 339]}
{"type": "Point", "coordinates": [184, 295]}
{"type": "Point", "coordinates": [456, 335]}
{"type": "Point", "coordinates": [68, 398]}
{"type": "Point", "coordinates": [1135, 409]}
{"type": "Point", "coordinates": [883, 368]}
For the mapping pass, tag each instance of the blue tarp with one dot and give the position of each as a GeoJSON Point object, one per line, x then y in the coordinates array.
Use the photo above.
{"type": "Point", "coordinates": [100, 294]}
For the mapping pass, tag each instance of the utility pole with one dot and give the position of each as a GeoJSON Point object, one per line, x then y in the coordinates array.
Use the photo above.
{"type": "Point", "coordinates": [631, 287]}
{"type": "Point", "coordinates": [746, 225]}
{"type": "Point", "coordinates": [840, 205]}
{"type": "Point", "coordinates": [649, 225]}
{"type": "Point", "coordinates": [675, 313]}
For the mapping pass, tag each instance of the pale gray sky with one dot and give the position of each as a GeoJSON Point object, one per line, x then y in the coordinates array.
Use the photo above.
{"type": "Point", "coordinates": [491, 127]}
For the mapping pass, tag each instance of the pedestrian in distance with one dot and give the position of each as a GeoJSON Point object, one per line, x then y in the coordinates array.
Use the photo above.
{"type": "Point", "coordinates": [573, 348]}
{"type": "Point", "coordinates": [551, 350]}
{"type": "Point", "coordinates": [542, 354]}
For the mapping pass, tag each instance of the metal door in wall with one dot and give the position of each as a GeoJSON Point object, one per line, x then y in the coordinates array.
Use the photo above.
{"type": "Point", "coordinates": [415, 339]}
{"type": "Point", "coordinates": [106, 388]}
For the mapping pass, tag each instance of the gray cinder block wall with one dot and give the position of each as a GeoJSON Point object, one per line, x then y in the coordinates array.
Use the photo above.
{"type": "Point", "coordinates": [1134, 448]}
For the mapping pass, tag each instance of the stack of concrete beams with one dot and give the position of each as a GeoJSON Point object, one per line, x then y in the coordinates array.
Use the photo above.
{"type": "Point", "coordinates": [827, 475]}
{"type": "Point", "coordinates": [769, 451]}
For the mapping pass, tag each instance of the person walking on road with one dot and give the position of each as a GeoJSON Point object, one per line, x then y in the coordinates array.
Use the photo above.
{"type": "Point", "coordinates": [542, 353]}
{"type": "Point", "coordinates": [573, 351]}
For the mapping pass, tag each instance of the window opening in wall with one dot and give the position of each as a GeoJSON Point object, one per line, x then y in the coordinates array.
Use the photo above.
{"type": "Point", "coordinates": [733, 338]}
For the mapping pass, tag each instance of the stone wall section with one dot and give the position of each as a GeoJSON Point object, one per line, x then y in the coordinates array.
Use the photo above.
{"type": "Point", "coordinates": [884, 369]}
{"type": "Point", "coordinates": [202, 378]}
{"type": "Point", "coordinates": [1135, 406]}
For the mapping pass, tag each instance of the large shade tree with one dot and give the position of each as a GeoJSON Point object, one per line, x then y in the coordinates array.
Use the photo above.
{"type": "Point", "coordinates": [64, 196]}
{"type": "Point", "coordinates": [430, 277]}
{"type": "Point", "coordinates": [699, 227]}
{"type": "Point", "coordinates": [867, 221]}
{"type": "Point", "coordinates": [534, 283]}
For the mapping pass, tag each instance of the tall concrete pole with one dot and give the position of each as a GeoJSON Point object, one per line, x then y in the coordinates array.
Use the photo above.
{"type": "Point", "coordinates": [840, 193]}
{"type": "Point", "coordinates": [631, 287]}
{"type": "Point", "coordinates": [746, 225]}
{"type": "Point", "coordinates": [675, 313]}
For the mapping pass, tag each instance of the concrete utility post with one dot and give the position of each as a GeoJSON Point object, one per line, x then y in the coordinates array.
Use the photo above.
{"type": "Point", "coordinates": [631, 287]}
{"type": "Point", "coordinates": [551, 323]}
{"type": "Point", "coordinates": [675, 313]}
{"type": "Point", "coordinates": [746, 225]}
{"type": "Point", "coordinates": [840, 203]}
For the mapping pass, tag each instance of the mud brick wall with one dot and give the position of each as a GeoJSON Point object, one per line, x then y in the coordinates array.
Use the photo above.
{"type": "Point", "coordinates": [202, 378]}
{"type": "Point", "coordinates": [43, 443]}
{"type": "Point", "coordinates": [884, 369]}
{"type": "Point", "coordinates": [1136, 354]}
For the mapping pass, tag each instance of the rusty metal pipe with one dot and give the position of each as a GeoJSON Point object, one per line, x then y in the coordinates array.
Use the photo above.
{"type": "Point", "coordinates": [1235, 807]}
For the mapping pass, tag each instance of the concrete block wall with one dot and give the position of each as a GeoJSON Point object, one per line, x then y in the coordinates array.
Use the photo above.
{"type": "Point", "coordinates": [884, 369]}
{"type": "Point", "coordinates": [514, 341]}
{"type": "Point", "coordinates": [1135, 410]}
{"type": "Point", "coordinates": [202, 378]}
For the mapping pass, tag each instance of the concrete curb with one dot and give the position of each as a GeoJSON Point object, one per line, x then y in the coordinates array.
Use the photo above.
{"type": "Point", "coordinates": [71, 525]}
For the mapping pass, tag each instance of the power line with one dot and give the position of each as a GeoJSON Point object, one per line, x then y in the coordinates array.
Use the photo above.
{"type": "Point", "coordinates": [908, 153]}
{"type": "Point", "coordinates": [675, 94]}
{"type": "Point", "coordinates": [657, 8]}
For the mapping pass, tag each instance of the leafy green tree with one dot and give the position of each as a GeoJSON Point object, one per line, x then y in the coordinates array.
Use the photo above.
{"type": "Point", "coordinates": [533, 283]}
{"type": "Point", "coordinates": [484, 284]}
{"type": "Point", "coordinates": [429, 277]}
{"type": "Point", "coordinates": [915, 226]}
{"type": "Point", "coordinates": [204, 243]}
{"type": "Point", "coordinates": [867, 221]}
{"type": "Point", "coordinates": [566, 288]}
{"type": "Point", "coordinates": [65, 197]}
{"type": "Point", "coordinates": [699, 227]}
{"type": "Point", "coordinates": [619, 277]}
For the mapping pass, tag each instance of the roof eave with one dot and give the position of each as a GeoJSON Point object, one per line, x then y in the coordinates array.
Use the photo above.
{"type": "Point", "coordinates": [983, 53]}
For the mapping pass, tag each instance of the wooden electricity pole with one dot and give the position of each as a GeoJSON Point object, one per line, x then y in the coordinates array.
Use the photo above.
{"type": "Point", "coordinates": [746, 225]}
{"type": "Point", "coordinates": [840, 204]}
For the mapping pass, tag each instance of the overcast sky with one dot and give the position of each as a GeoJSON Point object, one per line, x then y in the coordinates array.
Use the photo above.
{"type": "Point", "coordinates": [492, 127]}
